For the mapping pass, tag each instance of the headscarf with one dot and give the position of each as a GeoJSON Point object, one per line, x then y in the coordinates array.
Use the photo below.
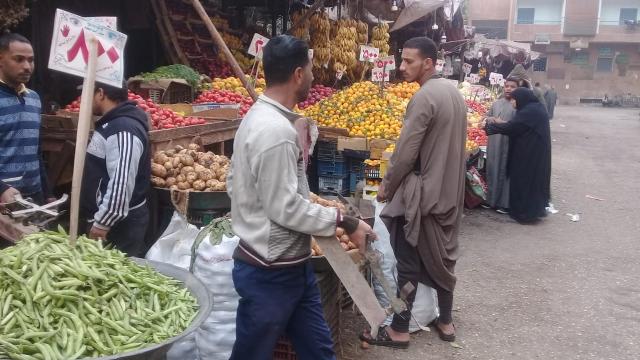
{"type": "Point", "coordinates": [531, 112]}
{"type": "Point", "coordinates": [523, 97]}
{"type": "Point", "coordinates": [520, 74]}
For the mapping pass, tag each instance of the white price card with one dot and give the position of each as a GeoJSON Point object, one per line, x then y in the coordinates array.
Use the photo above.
{"type": "Point", "coordinates": [467, 68]}
{"type": "Point", "coordinates": [378, 75]}
{"type": "Point", "coordinates": [70, 52]}
{"type": "Point", "coordinates": [439, 65]}
{"type": "Point", "coordinates": [257, 43]}
{"type": "Point", "coordinates": [387, 62]}
{"type": "Point", "coordinates": [369, 53]}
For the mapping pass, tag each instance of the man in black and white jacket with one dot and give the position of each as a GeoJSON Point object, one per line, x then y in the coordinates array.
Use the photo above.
{"type": "Point", "coordinates": [117, 172]}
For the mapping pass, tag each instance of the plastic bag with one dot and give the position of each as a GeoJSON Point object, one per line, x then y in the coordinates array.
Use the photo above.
{"type": "Point", "coordinates": [213, 266]}
{"type": "Point", "coordinates": [425, 306]}
{"type": "Point", "coordinates": [174, 247]}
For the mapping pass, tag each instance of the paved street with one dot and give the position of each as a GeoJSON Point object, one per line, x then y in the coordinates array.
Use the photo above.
{"type": "Point", "coordinates": [560, 289]}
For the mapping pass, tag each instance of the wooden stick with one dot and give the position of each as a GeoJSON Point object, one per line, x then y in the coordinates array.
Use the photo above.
{"type": "Point", "coordinates": [84, 119]}
{"type": "Point", "coordinates": [219, 41]}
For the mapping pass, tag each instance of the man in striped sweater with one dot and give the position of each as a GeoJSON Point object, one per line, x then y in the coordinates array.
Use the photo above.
{"type": "Point", "coordinates": [21, 168]}
{"type": "Point", "coordinates": [117, 171]}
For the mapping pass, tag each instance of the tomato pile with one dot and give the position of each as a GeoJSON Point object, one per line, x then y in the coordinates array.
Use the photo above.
{"type": "Point", "coordinates": [225, 97]}
{"type": "Point", "coordinates": [317, 93]}
{"type": "Point", "coordinates": [476, 107]}
{"type": "Point", "coordinates": [477, 135]}
{"type": "Point", "coordinates": [160, 118]}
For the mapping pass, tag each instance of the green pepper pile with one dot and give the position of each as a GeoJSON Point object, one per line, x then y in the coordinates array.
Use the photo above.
{"type": "Point", "coordinates": [64, 302]}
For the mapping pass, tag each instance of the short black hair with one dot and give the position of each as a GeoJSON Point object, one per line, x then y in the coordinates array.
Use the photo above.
{"type": "Point", "coordinates": [7, 39]}
{"type": "Point", "coordinates": [113, 93]}
{"type": "Point", "coordinates": [282, 56]}
{"type": "Point", "coordinates": [426, 47]}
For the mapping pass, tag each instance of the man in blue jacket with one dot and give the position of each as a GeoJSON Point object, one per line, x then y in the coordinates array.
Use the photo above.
{"type": "Point", "coordinates": [21, 168]}
{"type": "Point", "coordinates": [117, 170]}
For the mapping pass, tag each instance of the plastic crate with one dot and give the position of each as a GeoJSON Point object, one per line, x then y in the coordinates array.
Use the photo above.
{"type": "Point", "coordinates": [332, 184]}
{"type": "Point", "coordinates": [372, 172]}
{"type": "Point", "coordinates": [328, 151]}
{"type": "Point", "coordinates": [331, 168]}
{"type": "Point", "coordinates": [356, 173]}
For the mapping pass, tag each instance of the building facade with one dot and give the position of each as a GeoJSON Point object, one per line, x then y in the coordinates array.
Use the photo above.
{"type": "Point", "coordinates": [589, 47]}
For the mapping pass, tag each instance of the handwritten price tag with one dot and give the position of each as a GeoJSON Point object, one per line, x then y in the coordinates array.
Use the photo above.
{"type": "Point", "coordinates": [387, 62]}
{"type": "Point", "coordinates": [310, 54]}
{"type": "Point", "coordinates": [439, 65]}
{"type": "Point", "coordinates": [369, 53]}
{"type": "Point", "coordinates": [378, 75]}
{"type": "Point", "coordinates": [467, 68]}
{"type": "Point", "coordinates": [475, 78]}
{"type": "Point", "coordinates": [257, 43]}
{"type": "Point", "coordinates": [339, 75]}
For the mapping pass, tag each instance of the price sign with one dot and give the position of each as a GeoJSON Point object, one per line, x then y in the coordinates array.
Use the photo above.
{"type": "Point", "coordinates": [378, 75]}
{"type": "Point", "coordinates": [70, 52]}
{"type": "Point", "coordinates": [339, 75]}
{"type": "Point", "coordinates": [467, 68]}
{"type": "Point", "coordinates": [439, 65]}
{"type": "Point", "coordinates": [495, 76]}
{"type": "Point", "coordinates": [467, 79]}
{"type": "Point", "coordinates": [257, 43]}
{"type": "Point", "coordinates": [501, 82]}
{"type": "Point", "coordinates": [310, 54]}
{"type": "Point", "coordinates": [387, 62]}
{"type": "Point", "coordinates": [475, 78]}
{"type": "Point", "coordinates": [369, 53]}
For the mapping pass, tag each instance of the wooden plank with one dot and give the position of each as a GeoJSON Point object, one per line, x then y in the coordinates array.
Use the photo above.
{"type": "Point", "coordinates": [164, 15]}
{"type": "Point", "coordinates": [58, 163]}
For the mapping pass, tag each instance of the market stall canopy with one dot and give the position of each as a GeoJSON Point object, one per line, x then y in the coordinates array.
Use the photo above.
{"type": "Point", "coordinates": [504, 47]}
{"type": "Point", "coordinates": [415, 10]}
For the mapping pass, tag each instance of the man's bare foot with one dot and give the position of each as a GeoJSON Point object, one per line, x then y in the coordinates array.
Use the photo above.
{"type": "Point", "coordinates": [447, 329]}
{"type": "Point", "coordinates": [397, 336]}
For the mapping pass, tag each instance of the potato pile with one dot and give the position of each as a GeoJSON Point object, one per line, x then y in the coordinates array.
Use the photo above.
{"type": "Point", "coordinates": [189, 169]}
{"type": "Point", "coordinates": [341, 235]}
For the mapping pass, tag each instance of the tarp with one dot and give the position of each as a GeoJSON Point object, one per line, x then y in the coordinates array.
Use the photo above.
{"type": "Point", "coordinates": [416, 10]}
{"type": "Point", "coordinates": [504, 47]}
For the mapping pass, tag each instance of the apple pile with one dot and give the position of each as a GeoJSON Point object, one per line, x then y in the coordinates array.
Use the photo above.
{"type": "Point", "coordinates": [226, 97]}
{"type": "Point", "coordinates": [317, 93]}
{"type": "Point", "coordinates": [476, 107]}
{"type": "Point", "coordinates": [476, 135]}
{"type": "Point", "coordinates": [160, 118]}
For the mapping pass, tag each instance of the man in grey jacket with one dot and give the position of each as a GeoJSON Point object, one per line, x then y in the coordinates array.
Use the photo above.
{"type": "Point", "coordinates": [274, 219]}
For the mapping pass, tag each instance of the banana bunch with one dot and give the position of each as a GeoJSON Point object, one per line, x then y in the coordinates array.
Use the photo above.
{"type": "Point", "coordinates": [344, 47]}
{"type": "Point", "coordinates": [380, 38]}
{"type": "Point", "coordinates": [363, 32]}
{"type": "Point", "coordinates": [232, 41]}
{"type": "Point", "coordinates": [319, 31]}
{"type": "Point", "coordinates": [302, 31]}
{"type": "Point", "coordinates": [220, 23]}
{"type": "Point", "coordinates": [244, 61]}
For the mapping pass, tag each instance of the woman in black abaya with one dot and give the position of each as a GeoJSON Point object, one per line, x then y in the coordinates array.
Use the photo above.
{"type": "Point", "coordinates": [529, 163]}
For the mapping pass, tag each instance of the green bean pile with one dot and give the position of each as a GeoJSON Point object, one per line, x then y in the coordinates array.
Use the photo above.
{"type": "Point", "coordinates": [64, 302]}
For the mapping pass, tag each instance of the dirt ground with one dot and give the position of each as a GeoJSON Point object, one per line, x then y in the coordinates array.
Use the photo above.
{"type": "Point", "coordinates": [559, 289]}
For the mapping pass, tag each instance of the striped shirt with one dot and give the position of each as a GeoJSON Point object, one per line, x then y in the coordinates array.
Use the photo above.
{"type": "Point", "coordinates": [20, 139]}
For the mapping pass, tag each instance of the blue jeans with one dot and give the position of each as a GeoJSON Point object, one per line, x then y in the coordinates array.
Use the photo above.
{"type": "Point", "coordinates": [274, 302]}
